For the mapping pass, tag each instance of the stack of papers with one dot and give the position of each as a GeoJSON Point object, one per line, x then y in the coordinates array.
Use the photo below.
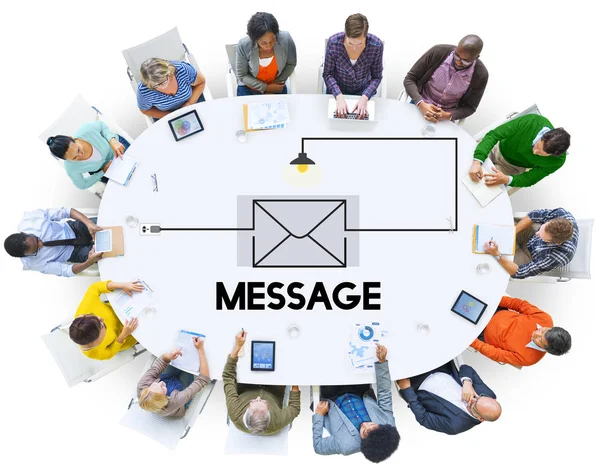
{"type": "Point", "coordinates": [189, 361]}
{"type": "Point", "coordinates": [130, 306]}
{"type": "Point", "coordinates": [266, 115]}
{"type": "Point", "coordinates": [121, 169]}
{"type": "Point", "coordinates": [483, 193]}
{"type": "Point", "coordinates": [363, 339]}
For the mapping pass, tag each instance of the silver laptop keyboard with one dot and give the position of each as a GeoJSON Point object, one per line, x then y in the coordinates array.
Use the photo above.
{"type": "Point", "coordinates": [351, 115]}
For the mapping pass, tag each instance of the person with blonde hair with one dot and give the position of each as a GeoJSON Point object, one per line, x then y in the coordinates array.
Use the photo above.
{"type": "Point", "coordinates": [167, 391]}
{"type": "Point", "coordinates": [167, 86]}
{"type": "Point", "coordinates": [96, 328]}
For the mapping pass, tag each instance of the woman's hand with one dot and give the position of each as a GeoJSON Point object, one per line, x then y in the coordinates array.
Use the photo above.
{"type": "Point", "coordinates": [117, 147]}
{"type": "Point", "coordinates": [198, 343]}
{"type": "Point", "coordinates": [341, 108]}
{"type": "Point", "coordinates": [129, 328]}
{"type": "Point", "coordinates": [105, 167]}
{"type": "Point", "coordinates": [130, 287]}
{"type": "Point", "coordinates": [172, 355]}
{"type": "Point", "coordinates": [361, 107]}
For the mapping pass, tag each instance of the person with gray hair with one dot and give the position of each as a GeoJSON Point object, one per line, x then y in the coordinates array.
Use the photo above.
{"type": "Point", "coordinates": [256, 409]}
{"type": "Point", "coordinates": [448, 82]}
{"type": "Point", "coordinates": [167, 86]}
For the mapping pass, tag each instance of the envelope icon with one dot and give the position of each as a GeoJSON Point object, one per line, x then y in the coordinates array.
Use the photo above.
{"type": "Point", "coordinates": [299, 233]}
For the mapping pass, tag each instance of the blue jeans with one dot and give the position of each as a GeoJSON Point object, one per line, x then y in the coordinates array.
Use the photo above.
{"type": "Point", "coordinates": [185, 378]}
{"type": "Point", "coordinates": [246, 91]}
{"type": "Point", "coordinates": [200, 99]}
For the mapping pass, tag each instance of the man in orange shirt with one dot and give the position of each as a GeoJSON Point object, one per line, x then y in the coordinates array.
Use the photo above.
{"type": "Point", "coordinates": [521, 334]}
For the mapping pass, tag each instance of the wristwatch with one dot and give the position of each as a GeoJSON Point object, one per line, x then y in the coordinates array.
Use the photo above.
{"type": "Point", "coordinates": [498, 257]}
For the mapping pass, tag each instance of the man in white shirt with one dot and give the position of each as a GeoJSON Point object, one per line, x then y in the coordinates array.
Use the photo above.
{"type": "Point", "coordinates": [48, 240]}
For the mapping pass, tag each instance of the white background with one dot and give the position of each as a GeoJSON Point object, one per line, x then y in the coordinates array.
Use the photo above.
{"type": "Point", "coordinates": [535, 51]}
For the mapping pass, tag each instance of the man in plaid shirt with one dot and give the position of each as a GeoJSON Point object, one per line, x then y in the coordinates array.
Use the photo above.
{"type": "Point", "coordinates": [353, 64]}
{"type": "Point", "coordinates": [553, 245]}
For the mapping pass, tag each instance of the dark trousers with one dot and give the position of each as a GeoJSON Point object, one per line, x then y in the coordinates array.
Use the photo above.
{"type": "Point", "coordinates": [126, 144]}
{"type": "Point", "coordinates": [331, 392]}
{"type": "Point", "coordinates": [278, 392]}
{"type": "Point", "coordinates": [200, 99]}
{"type": "Point", "coordinates": [80, 252]}
{"type": "Point", "coordinates": [246, 91]}
{"type": "Point", "coordinates": [482, 331]}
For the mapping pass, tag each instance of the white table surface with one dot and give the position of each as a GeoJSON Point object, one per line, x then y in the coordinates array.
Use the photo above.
{"type": "Point", "coordinates": [421, 273]}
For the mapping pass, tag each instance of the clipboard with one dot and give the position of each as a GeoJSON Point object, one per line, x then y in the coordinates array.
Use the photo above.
{"type": "Point", "coordinates": [118, 248]}
{"type": "Point", "coordinates": [504, 235]}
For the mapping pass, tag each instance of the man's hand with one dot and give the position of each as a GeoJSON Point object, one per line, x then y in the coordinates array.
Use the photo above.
{"type": "Point", "coordinates": [172, 355]}
{"type": "Point", "coordinates": [491, 247]}
{"type": "Point", "coordinates": [94, 256]}
{"type": "Point", "coordinates": [403, 383]}
{"type": "Point", "coordinates": [476, 171]}
{"type": "Point", "coordinates": [381, 353]}
{"type": "Point", "coordinates": [361, 106]}
{"type": "Point", "coordinates": [274, 88]}
{"type": "Point", "coordinates": [240, 339]}
{"type": "Point", "coordinates": [322, 408]}
{"type": "Point", "coordinates": [198, 343]}
{"type": "Point", "coordinates": [93, 228]}
{"type": "Point", "coordinates": [295, 388]}
{"type": "Point", "coordinates": [430, 112]}
{"type": "Point", "coordinates": [497, 178]}
{"type": "Point", "coordinates": [341, 108]}
{"type": "Point", "coordinates": [117, 147]}
{"type": "Point", "coordinates": [105, 167]}
{"type": "Point", "coordinates": [467, 391]}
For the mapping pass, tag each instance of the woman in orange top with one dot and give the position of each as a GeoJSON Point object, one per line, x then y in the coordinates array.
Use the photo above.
{"type": "Point", "coordinates": [265, 58]}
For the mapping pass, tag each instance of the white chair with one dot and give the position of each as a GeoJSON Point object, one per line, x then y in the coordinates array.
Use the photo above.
{"type": "Point", "coordinates": [166, 46]}
{"type": "Point", "coordinates": [580, 265]}
{"type": "Point", "coordinates": [239, 442]}
{"type": "Point", "coordinates": [77, 113]}
{"type": "Point", "coordinates": [322, 88]}
{"type": "Point", "coordinates": [76, 367]}
{"type": "Point", "coordinates": [93, 270]}
{"type": "Point", "coordinates": [231, 80]}
{"type": "Point", "coordinates": [167, 431]}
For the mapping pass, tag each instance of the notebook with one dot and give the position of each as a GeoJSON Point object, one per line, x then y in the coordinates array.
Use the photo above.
{"type": "Point", "coordinates": [351, 116]}
{"type": "Point", "coordinates": [482, 193]}
{"type": "Point", "coordinates": [121, 169]}
{"type": "Point", "coordinates": [503, 235]}
{"type": "Point", "coordinates": [265, 115]}
{"type": "Point", "coordinates": [189, 360]}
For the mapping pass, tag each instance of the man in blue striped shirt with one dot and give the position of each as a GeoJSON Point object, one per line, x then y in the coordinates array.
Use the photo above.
{"type": "Point", "coordinates": [553, 245]}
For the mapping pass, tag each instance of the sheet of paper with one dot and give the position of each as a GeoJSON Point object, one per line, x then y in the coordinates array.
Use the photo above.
{"type": "Point", "coordinates": [189, 360]}
{"type": "Point", "coordinates": [504, 236]}
{"type": "Point", "coordinates": [103, 241]}
{"type": "Point", "coordinates": [483, 193]}
{"type": "Point", "coordinates": [268, 115]}
{"type": "Point", "coordinates": [121, 169]}
{"type": "Point", "coordinates": [128, 306]}
{"type": "Point", "coordinates": [363, 339]}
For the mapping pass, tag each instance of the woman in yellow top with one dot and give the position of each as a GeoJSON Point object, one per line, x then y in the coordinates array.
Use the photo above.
{"type": "Point", "coordinates": [97, 329]}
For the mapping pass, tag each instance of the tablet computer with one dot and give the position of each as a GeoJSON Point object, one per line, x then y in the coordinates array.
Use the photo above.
{"type": "Point", "coordinates": [186, 125]}
{"type": "Point", "coordinates": [469, 307]}
{"type": "Point", "coordinates": [263, 356]}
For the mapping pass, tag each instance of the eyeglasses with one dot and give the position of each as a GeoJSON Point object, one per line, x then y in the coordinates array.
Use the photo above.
{"type": "Point", "coordinates": [474, 406]}
{"type": "Point", "coordinates": [162, 85]}
{"type": "Point", "coordinates": [155, 181]}
{"type": "Point", "coordinates": [463, 61]}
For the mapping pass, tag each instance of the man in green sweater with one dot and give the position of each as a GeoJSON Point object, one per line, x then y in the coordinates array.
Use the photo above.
{"type": "Point", "coordinates": [523, 150]}
{"type": "Point", "coordinates": [256, 409]}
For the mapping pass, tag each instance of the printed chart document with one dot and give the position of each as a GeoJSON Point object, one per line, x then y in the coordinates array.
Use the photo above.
{"type": "Point", "coordinates": [504, 236]}
{"type": "Point", "coordinates": [363, 339]}
{"type": "Point", "coordinates": [130, 306]}
{"type": "Point", "coordinates": [103, 240]}
{"type": "Point", "coordinates": [189, 360]}
{"type": "Point", "coordinates": [483, 193]}
{"type": "Point", "coordinates": [121, 169]}
{"type": "Point", "coordinates": [266, 115]}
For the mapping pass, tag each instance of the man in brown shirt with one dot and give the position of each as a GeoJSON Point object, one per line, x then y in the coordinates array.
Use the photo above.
{"type": "Point", "coordinates": [256, 409]}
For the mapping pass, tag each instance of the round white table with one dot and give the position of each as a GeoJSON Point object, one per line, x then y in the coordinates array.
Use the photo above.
{"type": "Point", "coordinates": [210, 180]}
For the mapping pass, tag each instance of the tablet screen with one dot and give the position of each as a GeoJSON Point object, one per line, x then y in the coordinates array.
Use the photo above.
{"type": "Point", "coordinates": [103, 240]}
{"type": "Point", "coordinates": [263, 356]}
{"type": "Point", "coordinates": [469, 307]}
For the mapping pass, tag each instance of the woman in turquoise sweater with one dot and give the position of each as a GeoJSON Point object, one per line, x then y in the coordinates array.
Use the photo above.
{"type": "Point", "coordinates": [88, 153]}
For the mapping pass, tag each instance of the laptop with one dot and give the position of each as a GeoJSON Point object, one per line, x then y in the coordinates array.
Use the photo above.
{"type": "Point", "coordinates": [351, 116]}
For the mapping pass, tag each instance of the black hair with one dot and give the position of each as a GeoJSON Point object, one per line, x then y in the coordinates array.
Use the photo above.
{"type": "Point", "coordinates": [262, 23]}
{"type": "Point", "coordinates": [559, 341]}
{"type": "Point", "coordinates": [15, 244]}
{"type": "Point", "coordinates": [85, 329]}
{"type": "Point", "coordinates": [380, 443]}
{"type": "Point", "coordinates": [556, 142]}
{"type": "Point", "coordinates": [59, 145]}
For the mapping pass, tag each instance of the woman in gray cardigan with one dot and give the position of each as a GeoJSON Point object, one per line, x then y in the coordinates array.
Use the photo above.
{"type": "Point", "coordinates": [161, 390]}
{"type": "Point", "coordinates": [265, 58]}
